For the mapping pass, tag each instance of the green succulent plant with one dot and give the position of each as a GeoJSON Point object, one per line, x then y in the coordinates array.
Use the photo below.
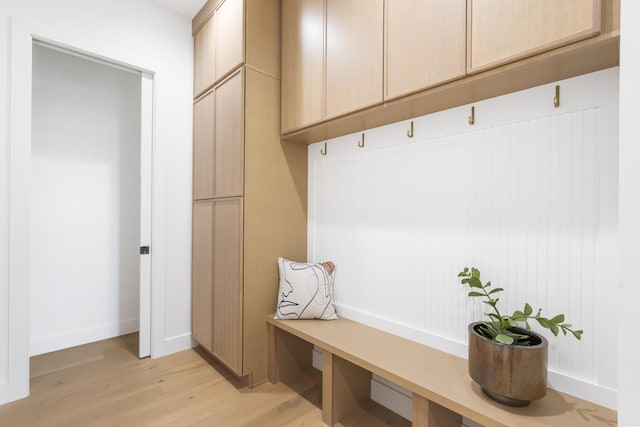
{"type": "Point", "coordinates": [499, 327]}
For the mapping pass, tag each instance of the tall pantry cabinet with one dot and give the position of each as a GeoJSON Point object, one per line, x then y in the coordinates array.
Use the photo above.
{"type": "Point", "coordinates": [249, 189]}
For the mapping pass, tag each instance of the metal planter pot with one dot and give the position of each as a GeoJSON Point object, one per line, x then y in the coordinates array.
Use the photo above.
{"type": "Point", "coordinates": [511, 375]}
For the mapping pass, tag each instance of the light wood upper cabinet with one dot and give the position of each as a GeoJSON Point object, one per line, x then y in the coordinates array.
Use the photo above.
{"type": "Point", "coordinates": [438, 54]}
{"type": "Point", "coordinates": [501, 31]}
{"type": "Point", "coordinates": [229, 137]}
{"type": "Point", "coordinates": [302, 63]}
{"type": "Point", "coordinates": [201, 272]}
{"type": "Point", "coordinates": [332, 59]}
{"type": "Point", "coordinates": [227, 281]}
{"type": "Point", "coordinates": [262, 35]}
{"type": "Point", "coordinates": [425, 44]}
{"type": "Point", "coordinates": [204, 58]}
{"type": "Point", "coordinates": [203, 148]}
{"type": "Point", "coordinates": [229, 36]}
{"type": "Point", "coordinates": [353, 55]}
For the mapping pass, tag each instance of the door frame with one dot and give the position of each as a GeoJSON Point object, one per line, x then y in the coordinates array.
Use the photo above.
{"type": "Point", "coordinates": [146, 206]}
{"type": "Point", "coordinates": [14, 384]}
{"type": "Point", "coordinates": [145, 149]}
{"type": "Point", "coordinates": [146, 180]}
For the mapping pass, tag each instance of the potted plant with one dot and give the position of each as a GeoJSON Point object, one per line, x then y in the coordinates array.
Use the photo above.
{"type": "Point", "coordinates": [508, 361]}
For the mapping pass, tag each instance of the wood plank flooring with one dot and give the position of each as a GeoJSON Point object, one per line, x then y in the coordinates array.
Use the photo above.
{"type": "Point", "coordinates": [105, 384]}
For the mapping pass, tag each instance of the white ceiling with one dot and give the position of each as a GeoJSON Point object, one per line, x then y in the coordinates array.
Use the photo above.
{"type": "Point", "coordinates": [187, 8]}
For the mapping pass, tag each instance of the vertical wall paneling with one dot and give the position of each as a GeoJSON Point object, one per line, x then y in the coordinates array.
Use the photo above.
{"type": "Point", "coordinates": [528, 195]}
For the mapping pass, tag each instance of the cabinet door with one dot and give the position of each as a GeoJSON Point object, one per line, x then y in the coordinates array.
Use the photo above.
{"type": "Point", "coordinates": [229, 137]}
{"type": "Point", "coordinates": [302, 63]}
{"type": "Point", "coordinates": [502, 31]}
{"type": "Point", "coordinates": [201, 274]}
{"type": "Point", "coordinates": [227, 282]}
{"type": "Point", "coordinates": [203, 148]}
{"type": "Point", "coordinates": [204, 56]}
{"type": "Point", "coordinates": [425, 44]}
{"type": "Point", "coordinates": [229, 36]}
{"type": "Point", "coordinates": [354, 55]}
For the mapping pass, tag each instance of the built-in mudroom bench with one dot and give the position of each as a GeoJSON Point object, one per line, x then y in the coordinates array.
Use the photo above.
{"type": "Point", "coordinates": [443, 392]}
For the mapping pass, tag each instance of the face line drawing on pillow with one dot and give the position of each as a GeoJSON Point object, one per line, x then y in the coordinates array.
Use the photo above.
{"type": "Point", "coordinates": [313, 285]}
{"type": "Point", "coordinates": [283, 301]}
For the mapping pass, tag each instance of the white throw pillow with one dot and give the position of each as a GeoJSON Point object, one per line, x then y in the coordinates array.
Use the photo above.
{"type": "Point", "coordinates": [306, 290]}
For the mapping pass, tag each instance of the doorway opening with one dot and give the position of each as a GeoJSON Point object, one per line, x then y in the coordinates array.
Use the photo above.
{"type": "Point", "coordinates": [90, 163]}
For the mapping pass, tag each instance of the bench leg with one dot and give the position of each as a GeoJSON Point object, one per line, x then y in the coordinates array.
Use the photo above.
{"type": "Point", "coordinates": [345, 387]}
{"type": "Point", "coordinates": [272, 370]}
{"type": "Point", "coordinates": [429, 414]}
{"type": "Point", "coordinates": [327, 383]}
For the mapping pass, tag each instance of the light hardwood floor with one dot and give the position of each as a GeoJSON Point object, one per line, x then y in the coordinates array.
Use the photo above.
{"type": "Point", "coordinates": [105, 384]}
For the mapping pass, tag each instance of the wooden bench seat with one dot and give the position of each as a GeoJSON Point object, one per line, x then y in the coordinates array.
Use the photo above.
{"type": "Point", "coordinates": [442, 389]}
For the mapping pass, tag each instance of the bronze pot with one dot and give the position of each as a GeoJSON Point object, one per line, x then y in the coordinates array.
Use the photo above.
{"type": "Point", "coordinates": [510, 374]}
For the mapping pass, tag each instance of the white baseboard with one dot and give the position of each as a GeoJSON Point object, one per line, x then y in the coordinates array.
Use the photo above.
{"type": "Point", "coordinates": [595, 393]}
{"type": "Point", "coordinates": [392, 396]}
{"type": "Point", "coordinates": [41, 345]}
{"type": "Point", "coordinates": [316, 358]}
{"type": "Point", "coordinates": [466, 422]}
{"type": "Point", "coordinates": [177, 343]}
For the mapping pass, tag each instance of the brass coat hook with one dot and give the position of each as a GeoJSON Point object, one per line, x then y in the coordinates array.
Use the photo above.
{"type": "Point", "coordinates": [472, 117]}
{"type": "Point", "coordinates": [324, 152]}
{"type": "Point", "coordinates": [556, 99]}
{"type": "Point", "coordinates": [410, 131]}
{"type": "Point", "coordinates": [361, 142]}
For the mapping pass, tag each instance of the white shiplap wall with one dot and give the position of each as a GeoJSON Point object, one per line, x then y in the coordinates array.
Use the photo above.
{"type": "Point", "coordinates": [528, 195]}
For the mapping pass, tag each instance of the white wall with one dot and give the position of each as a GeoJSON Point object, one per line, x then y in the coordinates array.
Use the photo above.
{"type": "Point", "coordinates": [134, 32]}
{"type": "Point", "coordinates": [85, 202]}
{"type": "Point", "coordinates": [627, 323]}
{"type": "Point", "coordinates": [528, 195]}
{"type": "Point", "coordinates": [4, 219]}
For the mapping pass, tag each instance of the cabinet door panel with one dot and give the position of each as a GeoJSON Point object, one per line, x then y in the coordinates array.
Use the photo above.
{"type": "Point", "coordinates": [502, 31]}
{"type": "Point", "coordinates": [203, 148]}
{"type": "Point", "coordinates": [425, 44]}
{"type": "Point", "coordinates": [229, 38]}
{"type": "Point", "coordinates": [201, 271]}
{"type": "Point", "coordinates": [302, 63]}
{"type": "Point", "coordinates": [229, 137]}
{"type": "Point", "coordinates": [204, 56]}
{"type": "Point", "coordinates": [227, 282]}
{"type": "Point", "coordinates": [354, 55]}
